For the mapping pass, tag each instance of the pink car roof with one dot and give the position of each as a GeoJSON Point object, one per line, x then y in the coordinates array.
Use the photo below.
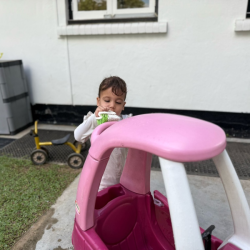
{"type": "Point", "coordinates": [173, 137]}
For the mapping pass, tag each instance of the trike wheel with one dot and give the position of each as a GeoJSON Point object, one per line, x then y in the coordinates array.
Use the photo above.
{"type": "Point", "coordinates": [75, 160]}
{"type": "Point", "coordinates": [39, 156]}
{"type": "Point", "coordinates": [45, 149]}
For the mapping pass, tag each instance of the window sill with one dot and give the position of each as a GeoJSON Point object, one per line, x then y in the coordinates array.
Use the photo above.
{"type": "Point", "coordinates": [113, 28]}
{"type": "Point", "coordinates": [242, 25]}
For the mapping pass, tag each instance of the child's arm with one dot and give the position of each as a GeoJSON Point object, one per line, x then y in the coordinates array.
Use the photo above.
{"type": "Point", "coordinates": [84, 130]}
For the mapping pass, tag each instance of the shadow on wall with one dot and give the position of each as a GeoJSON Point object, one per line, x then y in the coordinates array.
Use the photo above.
{"type": "Point", "coordinates": [27, 75]}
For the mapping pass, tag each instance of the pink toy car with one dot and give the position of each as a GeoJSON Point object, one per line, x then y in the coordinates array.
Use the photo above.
{"type": "Point", "coordinates": [126, 216]}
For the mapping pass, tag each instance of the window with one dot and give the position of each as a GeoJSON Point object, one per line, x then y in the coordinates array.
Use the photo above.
{"type": "Point", "coordinates": [112, 9]}
{"type": "Point", "coordinates": [248, 10]}
{"type": "Point", "coordinates": [108, 17]}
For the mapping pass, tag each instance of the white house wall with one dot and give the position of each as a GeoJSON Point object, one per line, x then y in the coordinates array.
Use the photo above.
{"type": "Point", "coordinates": [28, 32]}
{"type": "Point", "coordinates": [200, 64]}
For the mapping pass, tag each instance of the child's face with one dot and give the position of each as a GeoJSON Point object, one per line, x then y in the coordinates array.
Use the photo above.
{"type": "Point", "coordinates": [111, 101]}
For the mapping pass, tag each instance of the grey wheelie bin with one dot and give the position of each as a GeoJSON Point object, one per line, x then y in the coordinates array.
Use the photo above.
{"type": "Point", "coordinates": [15, 110]}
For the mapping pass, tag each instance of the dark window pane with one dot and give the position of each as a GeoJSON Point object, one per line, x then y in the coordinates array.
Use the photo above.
{"type": "Point", "coordinates": [92, 5]}
{"type": "Point", "coordinates": [248, 9]}
{"type": "Point", "coordinates": [128, 4]}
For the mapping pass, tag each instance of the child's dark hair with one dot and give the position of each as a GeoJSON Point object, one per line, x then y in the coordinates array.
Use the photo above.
{"type": "Point", "coordinates": [118, 86]}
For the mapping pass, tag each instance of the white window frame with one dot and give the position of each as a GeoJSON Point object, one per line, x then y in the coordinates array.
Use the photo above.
{"type": "Point", "coordinates": [111, 12]}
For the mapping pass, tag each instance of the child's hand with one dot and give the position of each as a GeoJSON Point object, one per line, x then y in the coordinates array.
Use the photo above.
{"type": "Point", "coordinates": [100, 109]}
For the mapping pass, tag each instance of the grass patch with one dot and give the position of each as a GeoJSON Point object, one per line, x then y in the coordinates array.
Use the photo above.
{"type": "Point", "coordinates": [26, 192]}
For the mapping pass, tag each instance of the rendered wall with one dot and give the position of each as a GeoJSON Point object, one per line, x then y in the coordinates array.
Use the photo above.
{"type": "Point", "coordinates": [200, 64]}
{"type": "Point", "coordinates": [28, 32]}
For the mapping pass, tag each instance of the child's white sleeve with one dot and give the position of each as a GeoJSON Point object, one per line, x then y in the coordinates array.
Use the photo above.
{"type": "Point", "coordinates": [83, 132]}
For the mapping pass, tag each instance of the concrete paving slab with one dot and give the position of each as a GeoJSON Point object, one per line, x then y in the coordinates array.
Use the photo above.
{"type": "Point", "coordinates": [210, 201]}
{"type": "Point", "coordinates": [58, 235]}
{"type": "Point", "coordinates": [208, 194]}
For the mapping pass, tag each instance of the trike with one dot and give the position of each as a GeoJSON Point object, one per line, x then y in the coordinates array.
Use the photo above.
{"type": "Point", "coordinates": [40, 154]}
{"type": "Point", "coordinates": [126, 216]}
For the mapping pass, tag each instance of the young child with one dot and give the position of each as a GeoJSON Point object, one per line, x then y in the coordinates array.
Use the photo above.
{"type": "Point", "coordinates": [111, 97]}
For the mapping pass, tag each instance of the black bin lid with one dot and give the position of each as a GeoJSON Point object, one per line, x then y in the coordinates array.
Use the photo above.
{"type": "Point", "coordinates": [10, 63]}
